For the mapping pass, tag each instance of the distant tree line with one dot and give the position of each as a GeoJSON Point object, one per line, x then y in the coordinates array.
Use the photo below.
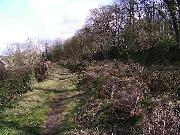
{"type": "Point", "coordinates": [126, 29]}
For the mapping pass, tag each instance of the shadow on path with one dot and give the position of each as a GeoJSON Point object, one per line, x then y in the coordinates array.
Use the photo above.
{"type": "Point", "coordinates": [29, 130]}
{"type": "Point", "coordinates": [55, 90]}
{"type": "Point", "coordinates": [53, 119]}
{"type": "Point", "coordinates": [58, 105]}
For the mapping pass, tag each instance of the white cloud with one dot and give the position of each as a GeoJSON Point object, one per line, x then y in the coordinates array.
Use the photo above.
{"type": "Point", "coordinates": [61, 15]}
{"type": "Point", "coordinates": [47, 18]}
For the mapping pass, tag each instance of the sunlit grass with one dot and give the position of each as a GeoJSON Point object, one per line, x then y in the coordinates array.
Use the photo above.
{"type": "Point", "coordinates": [27, 114]}
{"type": "Point", "coordinates": [67, 123]}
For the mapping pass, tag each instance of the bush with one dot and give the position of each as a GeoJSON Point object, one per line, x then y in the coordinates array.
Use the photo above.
{"type": "Point", "coordinates": [73, 66]}
{"type": "Point", "coordinates": [161, 118]}
{"type": "Point", "coordinates": [40, 71]}
{"type": "Point", "coordinates": [139, 99]}
{"type": "Point", "coordinates": [119, 84]}
{"type": "Point", "coordinates": [2, 73]}
{"type": "Point", "coordinates": [15, 83]}
{"type": "Point", "coordinates": [161, 81]}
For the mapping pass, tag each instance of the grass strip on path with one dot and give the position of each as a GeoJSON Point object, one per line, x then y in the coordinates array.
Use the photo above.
{"type": "Point", "coordinates": [29, 113]}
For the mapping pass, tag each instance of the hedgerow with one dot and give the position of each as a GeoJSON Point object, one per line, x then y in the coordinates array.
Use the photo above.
{"type": "Point", "coordinates": [14, 83]}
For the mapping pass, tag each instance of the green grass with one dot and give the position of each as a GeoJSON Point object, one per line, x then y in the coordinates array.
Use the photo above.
{"type": "Point", "coordinates": [68, 122]}
{"type": "Point", "coordinates": [27, 114]}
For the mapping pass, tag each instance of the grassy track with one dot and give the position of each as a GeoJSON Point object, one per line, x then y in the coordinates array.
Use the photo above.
{"type": "Point", "coordinates": [30, 114]}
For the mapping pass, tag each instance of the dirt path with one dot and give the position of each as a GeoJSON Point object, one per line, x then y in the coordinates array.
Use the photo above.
{"type": "Point", "coordinates": [53, 120]}
{"type": "Point", "coordinates": [62, 86]}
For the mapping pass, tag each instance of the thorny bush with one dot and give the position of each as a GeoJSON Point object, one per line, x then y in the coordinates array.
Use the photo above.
{"type": "Point", "coordinates": [127, 86]}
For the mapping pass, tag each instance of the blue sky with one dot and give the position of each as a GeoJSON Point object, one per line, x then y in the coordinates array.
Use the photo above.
{"type": "Point", "coordinates": [22, 19]}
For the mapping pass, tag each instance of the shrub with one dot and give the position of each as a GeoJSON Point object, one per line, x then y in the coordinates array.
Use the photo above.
{"type": "Point", "coordinates": [160, 81]}
{"type": "Point", "coordinates": [2, 73]}
{"type": "Point", "coordinates": [120, 84]}
{"type": "Point", "coordinates": [15, 83]}
{"type": "Point", "coordinates": [73, 66]}
{"type": "Point", "coordinates": [161, 118]}
{"type": "Point", "coordinates": [40, 71]}
{"type": "Point", "coordinates": [140, 98]}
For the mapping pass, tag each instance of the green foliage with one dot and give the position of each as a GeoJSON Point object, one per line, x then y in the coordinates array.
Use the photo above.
{"type": "Point", "coordinates": [74, 66]}
{"type": "Point", "coordinates": [165, 43]}
{"type": "Point", "coordinates": [135, 120]}
{"type": "Point", "coordinates": [96, 88]}
{"type": "Point", "coordinates": [15, 83]}
{"type": "Point", "coordinates": [55, 53]}
{"type": "Point", "coordinates": [68, 122]}
{"type": "Point", "coordinates": [40, 70]}
{"type": "Point", "coordinates": [103, 115]}
{"type": "Point", "coordinates": [146, 102]}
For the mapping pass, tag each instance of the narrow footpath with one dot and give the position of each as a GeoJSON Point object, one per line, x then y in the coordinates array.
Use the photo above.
{"type": "Point", "coordinates": [42, 111]}
{"type": "Point", "coordinates": [63, 88]}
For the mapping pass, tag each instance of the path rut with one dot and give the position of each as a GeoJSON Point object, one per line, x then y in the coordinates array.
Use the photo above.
{"type": "Point", "coordinates": [57, 104]}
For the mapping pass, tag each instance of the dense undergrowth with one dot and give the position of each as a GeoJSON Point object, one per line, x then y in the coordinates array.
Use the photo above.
{"type": "Point", "coordinates": [128, 99]}
{"type": "Point", "coordinates": [127, 59]}
{"type": "Point", "coordinates": [134, 88]}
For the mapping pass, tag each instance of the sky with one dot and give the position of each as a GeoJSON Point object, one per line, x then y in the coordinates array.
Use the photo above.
{"type": "Point", "coordinates": [42, 19]}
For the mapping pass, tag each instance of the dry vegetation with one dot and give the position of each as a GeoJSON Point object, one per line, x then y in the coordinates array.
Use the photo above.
{"type": "Point", "coordinates": [128, 99]}
{"type": "Point", "coordinates": [126, 58]}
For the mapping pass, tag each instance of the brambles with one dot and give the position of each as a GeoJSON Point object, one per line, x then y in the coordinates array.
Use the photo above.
{"type": "Point", "coordinates": [163, 81]}
{"type": "Point", "coordinates": [122, 98]}
{"type": "Point", "coordinates": [120, 88]}
{"type": "Point", "coordinates": [161, 118]}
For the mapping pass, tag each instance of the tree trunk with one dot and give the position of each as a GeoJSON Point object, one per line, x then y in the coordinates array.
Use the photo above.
{"type": "Point", "coordinates": [175, 20]}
